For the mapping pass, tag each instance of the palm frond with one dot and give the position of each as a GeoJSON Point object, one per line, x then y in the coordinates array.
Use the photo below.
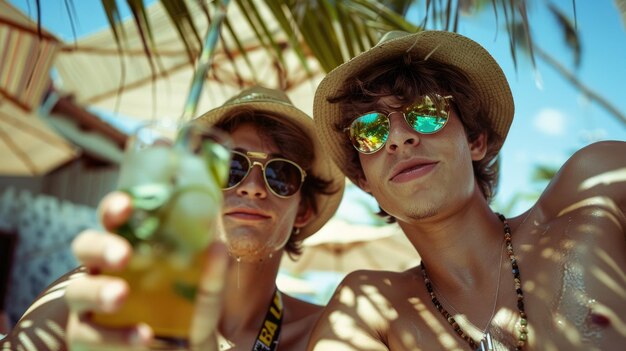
{"type": "Point", "coordinates": [570, 35]}
{"type": "Point", "coordinates": [544, 173]}
{"type": "Point", "coordinates": [331, 32]}
{"type": "Point", "coordinates": [187, 30]}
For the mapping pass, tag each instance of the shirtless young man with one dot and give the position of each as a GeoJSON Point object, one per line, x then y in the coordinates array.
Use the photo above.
{"type": "Point", "coordinates": [553, 278]}
{"type": "Point", "coordinates": [263, 217]}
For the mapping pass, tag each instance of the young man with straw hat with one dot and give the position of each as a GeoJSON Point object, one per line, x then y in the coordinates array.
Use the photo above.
{"type": "Point", "coordinates": [417, 122]}
{"type": "Point", "coordinates": [267, 210]}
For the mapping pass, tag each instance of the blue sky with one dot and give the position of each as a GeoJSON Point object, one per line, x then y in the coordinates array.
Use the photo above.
{"type": "Point", "coordinates": [552, 118]}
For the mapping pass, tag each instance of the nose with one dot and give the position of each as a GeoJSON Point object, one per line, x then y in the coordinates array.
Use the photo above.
{"type": "Point", "coordinates": [400, 134]}
{"type": "Point", "coordinates": [253, 185]}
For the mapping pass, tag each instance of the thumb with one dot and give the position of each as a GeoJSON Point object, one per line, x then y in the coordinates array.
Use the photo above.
{"type": "Point", "coordinates": [209, 297]}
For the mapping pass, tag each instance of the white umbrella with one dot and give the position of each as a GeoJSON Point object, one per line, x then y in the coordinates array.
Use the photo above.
{"type": "Point", "coordinates": [28, 146]}
{"type": "Point", "coordinates": [99, 76]}
{"type": "Point", "coordinates": [343, 247]}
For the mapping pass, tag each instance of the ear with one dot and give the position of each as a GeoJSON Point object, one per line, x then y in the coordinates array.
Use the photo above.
{"type": "Point", "coordinates": [478, 147]}
{"type": "Point", "coordinates": [304, 216]}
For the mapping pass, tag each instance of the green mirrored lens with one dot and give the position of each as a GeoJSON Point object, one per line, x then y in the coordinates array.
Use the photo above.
{"type": "Point", "coordinates": [369, 132]}
{"type": "Point", "coordinates": [425, 124]}
{"type": "Point", "coordinates": [428, 115]}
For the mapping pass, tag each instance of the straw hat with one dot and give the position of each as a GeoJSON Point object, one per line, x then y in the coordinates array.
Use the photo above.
{"type": "Point", "coordinates": [276, 103]}
{"type": "Point", "coordinates": [482, 70]}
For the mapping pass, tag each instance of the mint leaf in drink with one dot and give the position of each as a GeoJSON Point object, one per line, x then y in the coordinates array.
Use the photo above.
{"type": "Point", "coordinates": [148, 199]}
{"type": "Point", "coordinates": [151, 196]}
{"type": "Point", "coordinates": [186, 290]}
{"type": "Point", "coordinates": [147, 227]}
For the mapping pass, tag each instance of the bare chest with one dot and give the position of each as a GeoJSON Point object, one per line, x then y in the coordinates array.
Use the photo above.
{"type": "Point", "coordinates": [574, 283]}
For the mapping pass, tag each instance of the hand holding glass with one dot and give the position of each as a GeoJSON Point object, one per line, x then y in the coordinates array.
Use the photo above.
{"type": "Point", "coordinates": [174, 178]}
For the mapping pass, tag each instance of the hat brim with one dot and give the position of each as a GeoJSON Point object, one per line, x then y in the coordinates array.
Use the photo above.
{"type": "Point", "coordinates": [483, 71]}
{"type": "Point", "coordinates": [322, 167]}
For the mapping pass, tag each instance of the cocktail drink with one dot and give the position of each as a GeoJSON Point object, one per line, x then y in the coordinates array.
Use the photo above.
{"type": "Point", "coordinates": [174, 177]}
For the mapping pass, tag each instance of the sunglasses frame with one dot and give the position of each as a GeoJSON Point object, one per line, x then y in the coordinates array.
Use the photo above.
{"type": "Point", "coordinates": [404, 115]}
{"type": "Point", "coordinates": [262, 155]}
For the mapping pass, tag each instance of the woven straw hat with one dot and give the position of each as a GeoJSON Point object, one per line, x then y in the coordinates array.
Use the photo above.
{"type": "Point", "coordinates": [482, 70]}
{"type": "Point", "coordinates": [276, 103]}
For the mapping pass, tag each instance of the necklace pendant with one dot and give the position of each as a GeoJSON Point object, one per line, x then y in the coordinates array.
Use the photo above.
{"type": "Point", "coordinates": [486, 344]}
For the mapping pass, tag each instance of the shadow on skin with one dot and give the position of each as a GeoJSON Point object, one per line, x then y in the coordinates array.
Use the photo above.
{"type": "Point", "coordinates": [571, 251]}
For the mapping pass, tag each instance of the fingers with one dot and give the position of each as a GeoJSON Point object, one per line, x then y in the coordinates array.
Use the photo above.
{"type": "Point", "coordinates": [209, 297]}
{"type": "Point", "coordinates": [96, 293]}
{"type": "Point", "coordinates": [101, 294]}
{"type": "Point", "coordinates": [105, 251]}
{"type": "Point", "coordinates": [99, 251]}
{"type": "Point", "coordinates": [82, 335]}
{"type": "Point", "coordinates": [115, 209]}
{"type": "Point", "coordinates": [105, 295]}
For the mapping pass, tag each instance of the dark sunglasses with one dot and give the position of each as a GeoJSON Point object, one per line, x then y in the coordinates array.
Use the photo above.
{"type": "Point", "coordinates": [369, 132]}
{"type": "Point", "coordinates": [282, 177]}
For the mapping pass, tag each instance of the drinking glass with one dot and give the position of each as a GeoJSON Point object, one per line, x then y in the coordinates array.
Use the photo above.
{"type": "Point", "coordinates": [174, 177]}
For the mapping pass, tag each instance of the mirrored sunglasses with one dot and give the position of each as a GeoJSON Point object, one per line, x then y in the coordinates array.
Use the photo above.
{"type": "Point", "coordinates": [282, 177]}
{"type": "Point", "coordinates": [429, 114]}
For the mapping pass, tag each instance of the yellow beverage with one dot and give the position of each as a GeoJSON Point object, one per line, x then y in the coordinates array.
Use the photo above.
{"type": "Point", "coordinates": [162, 290]}
{"type": "Point", "coordinates": [175, 187]}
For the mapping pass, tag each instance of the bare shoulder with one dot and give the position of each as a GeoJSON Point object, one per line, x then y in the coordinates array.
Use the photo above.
{"type": "Point", "coordinates": [607, 152]}
{"type": "Point", "coordinates": [359, 313]}
{"type": "Point", "coordinates": [584, 205]}
{"type": "Point", "coordinates": [372, 284]}
{"type": "Point", "coordinates": [594, 176]}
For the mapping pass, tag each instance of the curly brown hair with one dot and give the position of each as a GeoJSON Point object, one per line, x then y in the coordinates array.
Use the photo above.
{"type": "Point", "coordinates": [294, 144]}
{"type": "Point", "coordinates": [406, 78]}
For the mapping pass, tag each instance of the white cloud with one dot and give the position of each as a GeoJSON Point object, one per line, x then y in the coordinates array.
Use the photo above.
{"type": "Point", "coordinates": [550, 121]}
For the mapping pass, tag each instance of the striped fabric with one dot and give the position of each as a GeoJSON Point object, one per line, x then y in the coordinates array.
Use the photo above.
{"type": "Point", "coordinates": [25, 61]}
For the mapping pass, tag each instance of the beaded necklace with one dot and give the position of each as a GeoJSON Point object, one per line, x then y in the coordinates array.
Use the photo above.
{"type": "Point", "coordinates": [523, 331]}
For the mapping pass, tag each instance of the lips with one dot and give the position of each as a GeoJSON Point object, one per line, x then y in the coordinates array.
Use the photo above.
{"type": "Point", "coordinates": [246, 213]}
{"type": "Point", "coordinates": [411, 169]}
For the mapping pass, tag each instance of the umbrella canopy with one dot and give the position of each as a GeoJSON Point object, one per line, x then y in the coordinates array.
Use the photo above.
{"type": "Point", "coordinates": [102, 76]}
{"type": "Point", "coordinates": [26, 55]}
{"type": "Point", "coordinates": [28, 147]}
{"type": "Point", "coordinates": [343, 247]}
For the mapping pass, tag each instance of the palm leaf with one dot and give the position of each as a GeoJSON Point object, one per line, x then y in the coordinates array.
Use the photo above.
{"type": "Point", "coordinates": [544, 173]}
{"type": "Point", "coordinates": [331, 32]}
{"type": "Point", "coordinates": [570, 35]}
{"type": "Point", "coordinates": [187, 31]}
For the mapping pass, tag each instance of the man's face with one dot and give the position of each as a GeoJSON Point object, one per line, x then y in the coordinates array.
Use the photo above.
{"type": "Point", "coordinates": [416, 176]}
{"type": "Point", "coordinates": [257, 223]}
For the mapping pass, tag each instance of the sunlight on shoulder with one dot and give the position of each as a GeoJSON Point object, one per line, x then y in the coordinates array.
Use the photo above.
{"type": "Point", "coordinates": [594, 201]}
{"type": "Point", "coordinates": [347, 330]}
{"type": "Point", "coordinates": [347, 297]}
{"type": "Point", "coordinates": [376, 300]}
{"type": "Point", "coordinates": [606, 178]}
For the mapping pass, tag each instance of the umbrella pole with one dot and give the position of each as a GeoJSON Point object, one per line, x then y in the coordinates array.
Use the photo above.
{"type": "Point", "coordinates": [204, 62]}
